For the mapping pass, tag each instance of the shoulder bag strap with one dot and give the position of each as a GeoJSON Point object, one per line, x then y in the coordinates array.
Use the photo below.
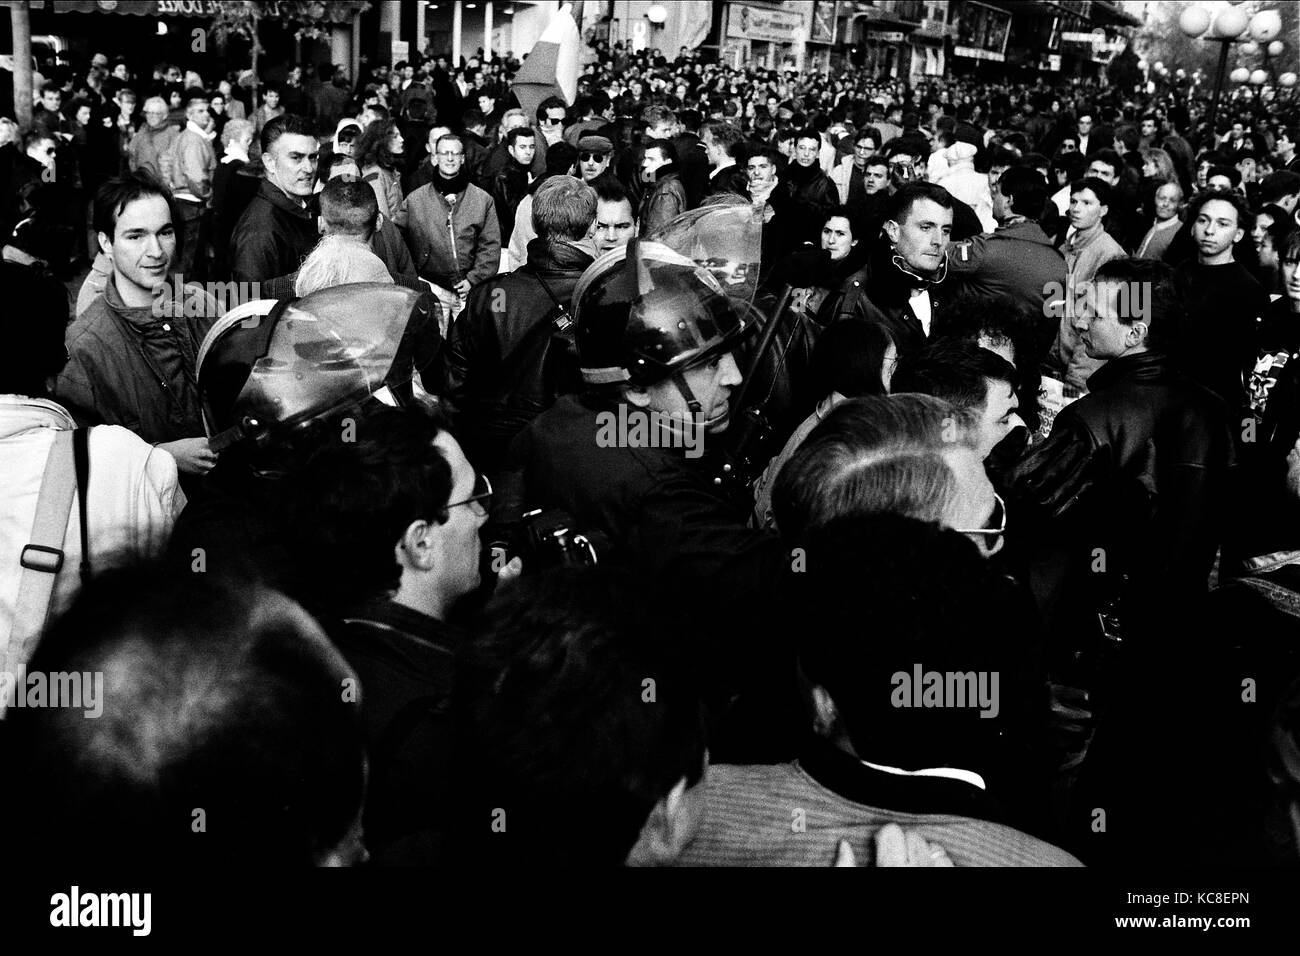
{"type": "Point", "coordinates": [81, 458]}
{"type": "Point", "coordinates": [42, 559]}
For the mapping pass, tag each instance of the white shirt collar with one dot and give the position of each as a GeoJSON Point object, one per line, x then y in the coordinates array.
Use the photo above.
{"type": "Point", "coordinates": [194, 127]}
{"type": "Point", "coordinates": [951, 773]}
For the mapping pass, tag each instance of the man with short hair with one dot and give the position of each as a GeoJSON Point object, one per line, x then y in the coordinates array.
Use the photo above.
{"type": "Point", "coordinates": [1018, 259]}
{"type": "Point", "coordinates": [1224, 301]}
{"type": "Point", "coordinates": [453, 231]}
{"type": "Point", "coordinates": [133, 352]}
{"type": "Point", "coordinates": [896, 286]}
{"type": "Point", "coordinates": [550, 119]}
{"type": "Point", "coordinates": [504, 360]}
{"type": "Point", "coordinates": [811, 191]}
{"type": "Point", "coordinates": [616, 223]}
{"type": "Point", "coordinates": [555, 645]}
{"type": "Point", "coordinates": [511, 184]}
{"type": "Point", "coordinates": [1087, 245]}
{"type": "Point", "coordinates": [1168, 197]}
{"type": "Point", "coordinates": [194, 162]}
{"type": "Point", "coordinates": [278, 228]}
{"type": "Point", "coordinates": [850, 172]}
{"type": "Point", "coordinates": [723, 143]}
{"type": "Point", "coordinates": [665, 196]}
{"type": "Point", "coordinates": [972, 379]}
{"type": "Point", "coordinates": [1284, 149]}
{"type": "Point", "coordinates": [1137, 468]}
{"type": "Point", "coordinates": [383, 571]}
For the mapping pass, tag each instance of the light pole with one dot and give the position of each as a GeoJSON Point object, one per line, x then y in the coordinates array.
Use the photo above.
{"type": "Point", "coordinates": [1230, 24]}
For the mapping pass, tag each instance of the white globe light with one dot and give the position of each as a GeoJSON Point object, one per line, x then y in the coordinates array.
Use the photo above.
{"type": "Point", "coordinates": [1194, 21]}
{"type": "Point", "coordinates": [1265, 25]}
{"type": "Point", "coordinates": [1230, 23]}
{"type": "Point", "coordinates": [1239, 75]}
{"type": "Point", "coordinates": [1250, 48]}
{"type": "Point", "coordinates": [1142, 64]}
{"type": "Point", "coordinates": [1259, 77]}
{"type": "Point", "coordinates": [1287, 79]}
{"type": "Point", "coordinates": [162, 29]}
{"type": "Point", "coordinates": [657, 13]}
{"type": "Point", "coordinates": [1276, 47]}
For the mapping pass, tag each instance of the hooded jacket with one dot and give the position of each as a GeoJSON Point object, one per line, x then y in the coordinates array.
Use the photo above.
{"type": "Point", "coordinates": [273, 235]}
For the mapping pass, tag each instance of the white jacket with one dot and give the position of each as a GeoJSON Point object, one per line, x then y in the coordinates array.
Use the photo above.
{"type": "Point", "coordinates": [842, 176]}
{"type": "Point", "coordinates": [965, 184]}
{"type": "Point", "coordinates": [133, 502]}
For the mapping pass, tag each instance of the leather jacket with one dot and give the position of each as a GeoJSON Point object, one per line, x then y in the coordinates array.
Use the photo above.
{"type": "Point", "coordinates": [497, 389]}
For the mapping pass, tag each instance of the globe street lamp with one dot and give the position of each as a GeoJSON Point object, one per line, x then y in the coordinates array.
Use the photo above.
{"type": "Point", "coordinates": [1230, 24]}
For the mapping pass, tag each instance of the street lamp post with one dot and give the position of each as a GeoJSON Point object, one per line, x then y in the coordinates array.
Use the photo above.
{"type": "Point", "coordinates": [1230, 24]}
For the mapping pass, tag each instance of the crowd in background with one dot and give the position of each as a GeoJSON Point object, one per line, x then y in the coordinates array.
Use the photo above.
{"type": "Point", "coordinates": [1027, 406]}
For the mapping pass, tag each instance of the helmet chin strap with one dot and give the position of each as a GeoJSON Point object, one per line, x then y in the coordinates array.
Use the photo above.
{"type": "Point", "coordinates": [693, 403]}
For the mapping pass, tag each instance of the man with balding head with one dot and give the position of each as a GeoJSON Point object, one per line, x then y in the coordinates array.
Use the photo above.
{"type": "Point", "coordinates": [153, 140]}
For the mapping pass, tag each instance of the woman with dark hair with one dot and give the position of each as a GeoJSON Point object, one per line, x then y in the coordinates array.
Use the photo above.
{"type": "Point", "coordinates": [852, 358]}
{"type": "Point", "coordinates": [378, 153]}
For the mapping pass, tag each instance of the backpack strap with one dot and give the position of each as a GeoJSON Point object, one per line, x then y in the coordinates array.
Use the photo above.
{"type": "Point", "coordinates": [42, 558]}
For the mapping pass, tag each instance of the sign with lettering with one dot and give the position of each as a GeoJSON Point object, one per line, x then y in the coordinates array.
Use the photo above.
{"type": "Point", "coordinates": [761, 23]}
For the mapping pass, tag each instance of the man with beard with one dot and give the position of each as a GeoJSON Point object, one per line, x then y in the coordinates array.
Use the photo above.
{"type": "Point", "coordinates": [278, 229]}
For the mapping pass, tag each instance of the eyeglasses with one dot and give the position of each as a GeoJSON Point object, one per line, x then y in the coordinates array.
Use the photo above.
{"type": "Point", "coordinates": [998, 518]}
{"type": "Point", "coordinates": [443, 152]}
{"type": "Point", "coordinates": [592, 157]}
{"type": "Point", "coordinates": [482, 496]}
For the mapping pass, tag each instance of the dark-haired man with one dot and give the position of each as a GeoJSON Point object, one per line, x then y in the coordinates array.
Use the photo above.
{"type": "Point", "coordinates": [1137, 468]}
{"type": "Point", "coordinates": [896, 286]}
{"type": "Point", "coordinates": [1224, 301]}
{"type": "Point", "coordinates": [510, 185]}
{"type": "Point", "coordinates": [1018, 259]}
{"type": "Point", "coordinates": [1087, 245]}
{"type": "Point", "coordinates": [278, 229]}
{"type": "Point", "coordinates": [566, 645]}
{"type": "Point", "coordinates": [665, 196]}
{"type": "Point", "coordinates": [132, 353]}
{"type": "Point", "coordinates": [384, 539]}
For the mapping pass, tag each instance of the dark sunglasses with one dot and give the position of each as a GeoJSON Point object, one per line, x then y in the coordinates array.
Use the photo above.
{"type": "Point", "coordinates": [482, 496]}
{"type": "Point", "coordinates": [591, 157]}
{"type": "Point", "coordinates": [997, 524]}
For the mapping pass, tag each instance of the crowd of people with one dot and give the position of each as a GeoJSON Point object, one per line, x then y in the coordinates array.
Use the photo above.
{"type": "Point", "coordinates": [731, 467]}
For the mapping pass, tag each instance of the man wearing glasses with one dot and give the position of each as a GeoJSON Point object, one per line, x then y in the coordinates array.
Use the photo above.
{"type": "Point", "coordinates": [154, 139]}
{"type": "Point", "coordinates": [849, 174]}
{"type": "Point", "coordinates": [385, 531]}
{"type": "Point", "coordinates": [453, 230]}
{"type": "Point", "coordinates": [550, 119]}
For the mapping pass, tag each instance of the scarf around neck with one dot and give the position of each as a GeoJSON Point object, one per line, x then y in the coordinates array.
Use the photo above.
{"type": "Point", "coordinates": [453, 186]}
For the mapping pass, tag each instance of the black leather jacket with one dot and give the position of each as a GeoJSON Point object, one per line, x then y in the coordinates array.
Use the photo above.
{"type": "Point", "coordinates": [880, 291]}
{"type": "Point", "coordinates": [497, 389]}
{"type": "Point", "coordinates": [1138, 468]}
